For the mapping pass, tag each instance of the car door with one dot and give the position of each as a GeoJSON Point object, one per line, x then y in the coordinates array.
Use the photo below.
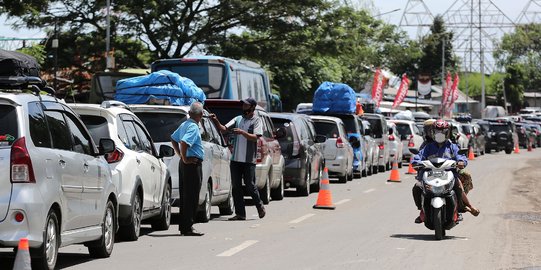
{"type": "Point", "coordinates": [225, 156]}
{"type": "Point", "coordinates": [315, 149]}
{"type": "Point", "coordinates": [66, 162]}
{"type": "Point", "coordinates": [215, 154]}
{"type": "Point", "coordinates": [150, 166]}
{"type": "Point", "coordinates": [275, 149]}
{"type": "Point", "coordinates": [90, 171]}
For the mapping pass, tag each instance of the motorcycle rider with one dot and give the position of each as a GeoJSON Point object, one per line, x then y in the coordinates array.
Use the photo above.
{"type": "Point", "coordinates": [441, 147]}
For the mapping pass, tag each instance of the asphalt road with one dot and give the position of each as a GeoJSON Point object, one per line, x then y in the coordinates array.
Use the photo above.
{"type": "Point", "coordinates": [371, 228]}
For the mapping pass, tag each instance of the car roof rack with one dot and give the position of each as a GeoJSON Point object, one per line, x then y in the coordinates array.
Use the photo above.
{"type": "Point", "coordinates": [114, 103]}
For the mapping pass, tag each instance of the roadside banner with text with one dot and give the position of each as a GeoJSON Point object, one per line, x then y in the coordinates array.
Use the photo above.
{"type": "Point", "coordinates": [402, 91]}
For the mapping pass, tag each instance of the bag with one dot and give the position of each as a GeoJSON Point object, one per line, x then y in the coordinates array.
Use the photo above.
{"type": "Point", "coordinates": [334, 98]}
{"type": "Point", "coordinates": [18, 64]}
{"type": "Point", "coordinates": [160, 87]}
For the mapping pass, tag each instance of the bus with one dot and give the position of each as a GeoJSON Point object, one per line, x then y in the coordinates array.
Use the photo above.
{"type": "Point", "coordinates": [224, 78]}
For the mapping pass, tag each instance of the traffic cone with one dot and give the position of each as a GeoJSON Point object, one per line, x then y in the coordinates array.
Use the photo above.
{"type": "Point", "coordinates": [516, 149]}
{"type": "Point", "coordinates": [411, 170]}
{"type": "Point", "coordinates": [395, 175]}
{"type": "Point", "coordinates": [471, 155]}
{"type": "Point", "coordinates": [22, 259]}
{"type": "Point", "coordinates": [324, 197]}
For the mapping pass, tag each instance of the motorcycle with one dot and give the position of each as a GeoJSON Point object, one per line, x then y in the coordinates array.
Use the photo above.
{"type": "Point", "coordinates": [439, 200]}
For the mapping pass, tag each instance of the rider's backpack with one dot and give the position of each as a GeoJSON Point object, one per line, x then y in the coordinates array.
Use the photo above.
{"type": "Point", "coordinates": [18, 64]}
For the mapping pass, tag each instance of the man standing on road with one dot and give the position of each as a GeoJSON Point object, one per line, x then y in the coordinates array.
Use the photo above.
{"type": "Point", "coordinates": [247, 129]}
{"type": "Point", "coordinates": [189, 171]}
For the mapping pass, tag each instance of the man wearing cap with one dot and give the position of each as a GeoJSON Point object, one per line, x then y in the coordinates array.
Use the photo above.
{"type": "Point", "coordinates": [247, 129]}
{"type": "Point", "coordinates": [190, 174]}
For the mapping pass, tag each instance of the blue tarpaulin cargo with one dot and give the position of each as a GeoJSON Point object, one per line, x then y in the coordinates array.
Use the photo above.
{"type": "Point", "coordinates": [334, 98]}
{"type": "Point", "coordinates": [161, 85]}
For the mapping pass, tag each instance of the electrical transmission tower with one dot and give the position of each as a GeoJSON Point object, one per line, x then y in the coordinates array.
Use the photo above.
{"type": "Point", "coordinates": [417, 14]}
{"type": "Point", "coordinates": [477, 25]}
{"type": "Point", "coordinates": [531, 13]}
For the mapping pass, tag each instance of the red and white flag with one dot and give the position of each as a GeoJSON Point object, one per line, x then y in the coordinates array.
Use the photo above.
{"type": "Point", "coordinates": [454, 94]}
{"type": "Point", "coordinates": [377, 87]}
{"type": "Point", "coordinates": [402, 91]}
{"type": "Point", "coordinates": [447, 90]}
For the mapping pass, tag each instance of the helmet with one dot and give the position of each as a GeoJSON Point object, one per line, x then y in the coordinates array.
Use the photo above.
{"type": "Point", "coordinates": [427, 127]}
{"type": "Point", "coordinates": [441, 131]}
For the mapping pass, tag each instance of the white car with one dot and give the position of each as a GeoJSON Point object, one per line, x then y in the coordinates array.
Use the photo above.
{"type": "Point", "coordinates": [395, 144]}
{"type": "Point", "coordinates": [410, 135]}
{"type": "Point", "coordinates": [337, 151]}
{"type": "Point", "coordinates": [142, 179]}
{"type": "Point", "coordinates": [216, 188]}
{"type": "Point", "coordinates": [55, 184]}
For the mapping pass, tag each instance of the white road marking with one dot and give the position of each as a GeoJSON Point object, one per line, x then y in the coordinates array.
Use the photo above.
{"type": "Point", "coordinates": [343, 201]}
{"type": "Point", "coordinates": [237, 249]}
{"type": "Point", "coordinates": [370, 190]}
{"type": "Point", "coordinates": [298, 220]}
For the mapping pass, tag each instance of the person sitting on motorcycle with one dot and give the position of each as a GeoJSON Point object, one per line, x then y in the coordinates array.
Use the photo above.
{"type": "Point", "coordinates": [427, 130]}
{"type": "Point", "coordinates": [441, 147]}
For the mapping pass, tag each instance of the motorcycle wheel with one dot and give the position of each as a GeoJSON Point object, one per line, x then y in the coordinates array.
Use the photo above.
{"type": "Point", "coordinates": [438, 226]}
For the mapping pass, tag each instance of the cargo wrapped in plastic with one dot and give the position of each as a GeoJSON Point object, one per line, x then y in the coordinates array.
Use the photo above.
{"type": "Point", "coordinates": [164, 86]}
{"type": "Point", "coordinates": [334, 98]}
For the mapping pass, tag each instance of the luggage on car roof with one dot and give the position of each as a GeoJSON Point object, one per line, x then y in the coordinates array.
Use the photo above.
{"type": "Point", "coordinates": [334, 98]}
{"type": "Point", "coordinates": [18, 64]}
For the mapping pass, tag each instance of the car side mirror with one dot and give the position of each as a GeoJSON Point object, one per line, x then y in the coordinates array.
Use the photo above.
{"type": "Point", "coordinates": [320, 138]}
{"type": "Point", "coordinates": [354, 141]}
{"type": "Point", "coordinates": [106, 146]}
{"type": "Point", "coordinates": [280, 133]}
{"type": "Point", "coordinates": [166, 151]}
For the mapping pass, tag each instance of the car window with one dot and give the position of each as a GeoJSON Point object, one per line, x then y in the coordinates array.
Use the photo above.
{"type": "Point", "coordinates": [361, 126]}
{"type": "Point", "coordinates": [161, 125]}
{"type": "Point", "coordinates": [133, 140]}
{"type": "Point", "coordinates": [311, 129]}
{"type": "Point", "coordinates": [416, 130]}
{"type": "Point", "coordinates": [226, 114]}
{"type": "Point", "coordinates": [206, 131]}
{"type": "Point", "coordinates": [97, 126]}
{"type": "Point", "coordinates": [267, 128]}
{"type": "Point", "coordinates": [81, 140]}
{"type": "Point", "coordinates": [403, 129]}
{"type": "Point", "coordinates": [325, 128]}
{"type": "Point", "coordinates": [60, 132]}
{"type": "Point", "coordinates": [217, 136]}
{"type": "Point", "coordinates": [145, 140]}
{"type": "Point", "coordinates": [8, 124]}
{"type": "Point", "coordinates": [343, 130]}
{"type": "Point", "coordinates": [376, 126]}
{"type": "Point", "coordinates": [290, 136]}
{"type": "Point", "coordinates": [38, 126]}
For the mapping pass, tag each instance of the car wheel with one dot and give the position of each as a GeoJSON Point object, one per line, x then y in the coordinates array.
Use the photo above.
{"type": "Point", "coordinates": [277, 194]}
{"type": "Point", "coordinates": [382, 168]}
{"type": "Point", "coordinates": [204, 214]}
{"type": "Point", "coordinates": [103, 247]}
{"type": "Point", "coordinates": [131, 231]}
{"type": "Point", "coordinates": [400, 163]}
{"type": "Point", "coordinates": [508, 150]}
{"type": "Point", "coordinates": [304, 190]}
{"type": "Point", "coordinates": [315, 187]}
{"type": "Point", "coordinates": [228, 207]}
{"type": "Point", "coordinates": [47, 254]}
{"type": "Point", "coordinates": [265, 192]}
{"type": "Point", "coordinates": [164, 220]}
{"type": "Point", "coordinates": [374, 169]}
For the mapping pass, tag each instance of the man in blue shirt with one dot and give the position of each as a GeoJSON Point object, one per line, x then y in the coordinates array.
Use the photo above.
{"type": "Point", "coordinates": [441, 147]}
{"type": "Point", "coordinates": [190, 174]}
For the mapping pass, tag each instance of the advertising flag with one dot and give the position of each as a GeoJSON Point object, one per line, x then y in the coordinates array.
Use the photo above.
{"type": "Point", "coordinates": [402, 91]}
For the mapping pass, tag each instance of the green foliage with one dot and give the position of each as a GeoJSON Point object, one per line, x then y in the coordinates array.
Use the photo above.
{"type": "Point", "coordinates": [37, 51]}
{"type": "Point", "coordinates": [433, 45]}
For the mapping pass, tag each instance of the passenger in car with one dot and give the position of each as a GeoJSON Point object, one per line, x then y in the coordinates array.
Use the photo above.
{"type": "Point", "coordinates": [247, 128]}
{"type": "Point", "coordinates": [190, 170]}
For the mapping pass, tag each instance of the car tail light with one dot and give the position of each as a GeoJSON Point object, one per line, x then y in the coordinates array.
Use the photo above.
{"type": "Point", "coordinates": [296, 149]}
{"type": "Point", "coordinates": [391, 137]}
{"type": "Point", "coordinates": [411, 143]}
{"type": "Point", "coordinates": [468, 136]}
{"type": "Point", "coordinates": [21, 164]}
{"type": "Point", "coordinates": [19, 217]}
{"type": "Point", "coordinates": [339, 143]}
{"type": "Point", "coordinates": [259, 154]}
{"type": "Point", "coordinates": [381, 146]}
{"type": "Point", "coordinates": [115, 156]}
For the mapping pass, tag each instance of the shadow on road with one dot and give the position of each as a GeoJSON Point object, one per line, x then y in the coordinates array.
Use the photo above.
{"type": "Point", "coordinates": [424, 237]}
{"type": "Point", "coordinates": [66, 260]}
{"type": "Point", "coordinates": [6, 259]}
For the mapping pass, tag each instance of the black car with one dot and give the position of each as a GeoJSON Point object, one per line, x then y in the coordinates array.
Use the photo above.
{"type": "Point", "coordinates": [500, 135]}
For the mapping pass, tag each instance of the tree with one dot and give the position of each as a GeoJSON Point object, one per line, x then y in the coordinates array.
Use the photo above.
{"type": "Point", "coordinates": [431, 61]}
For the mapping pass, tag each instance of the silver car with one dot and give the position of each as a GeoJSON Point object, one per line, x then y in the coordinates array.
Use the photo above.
{"type": "Point", "coordinates": [55, 184]}
{"type": "Point", "coordinates": [337, 151]}
{"type": "Point", "coordinates": [410, 135]}
{"type": "Point", "coordinates": [161, 122]}
{"type": "Point", "coordinates": [395, 144]}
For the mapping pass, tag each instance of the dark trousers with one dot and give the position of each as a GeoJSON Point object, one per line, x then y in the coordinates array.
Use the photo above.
{"type": "Point", "coordinates": [244, 171]}
{"type": "Point", "coordinates": [189, 176]}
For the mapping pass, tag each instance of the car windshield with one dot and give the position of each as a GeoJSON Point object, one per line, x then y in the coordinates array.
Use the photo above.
{"type": "Point", "coordinates": [97, 125]}
{"type": "Point", "coordinates": [8, 125]}
{"type": "Point", "coordinates": [467, 129]}
{"type": "Point", "coordinates": [500, 128]}
{"type": "Point", "coordinates": [403, 129]}
{"type": "Point", "coordinates": [375, 125]}
{"type": "Point", "coordinates": [161, 125]}
{"type": "Point", "coordinates": [329, 129]}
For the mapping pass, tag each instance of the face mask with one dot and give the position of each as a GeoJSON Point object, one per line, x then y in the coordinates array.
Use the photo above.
{"type": "Point", "coordinates": [439, 137]}
{"type": "Point", "coordinates": [247, 112]}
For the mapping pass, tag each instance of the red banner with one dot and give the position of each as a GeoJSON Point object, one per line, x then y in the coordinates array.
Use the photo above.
{"type": "Point", "coordinates": [377, 87]}
{"type": "Point", "coordinates": [402, 91]}
{"type": "Point", "coordinates": [454, 89]}
{"type": "Point", "coordinates": [446, 92]}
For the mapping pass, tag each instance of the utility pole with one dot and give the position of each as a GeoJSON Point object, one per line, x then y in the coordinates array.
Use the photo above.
{"type": "Point", "coordinates": [54, 45]}
{"type": "Point", "coordinates": [443, 102]}
{"type": "Point", "coordinates": [482, 56]}
{"type": "Point", "coordinates": [108, 60]}
{"type": "Point", "coordinates": [504, 95]}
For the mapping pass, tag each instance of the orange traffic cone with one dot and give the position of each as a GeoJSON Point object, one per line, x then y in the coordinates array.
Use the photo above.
{"type": "Point", "coordinates": [22, 259]}
{"type": "Point", "coordinates": [471, 155]}
{"type": "Point", "coordinates": [395, 175]}
{"type": "Point", "coordinates": [324, 197]}
{"type": "Point", "coordinates": [411, 170]}
{"type": "Point", "coordinates": [516, 148]}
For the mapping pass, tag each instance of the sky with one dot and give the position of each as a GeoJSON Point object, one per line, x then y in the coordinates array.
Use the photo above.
{"type": "Point", "coordinates": [512, 8]}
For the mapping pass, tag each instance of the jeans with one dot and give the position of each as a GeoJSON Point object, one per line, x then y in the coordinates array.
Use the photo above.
{"type": "Point", "coordinates": [190, 178]}
{"type": "Point", "coordinates": [244, 171]}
